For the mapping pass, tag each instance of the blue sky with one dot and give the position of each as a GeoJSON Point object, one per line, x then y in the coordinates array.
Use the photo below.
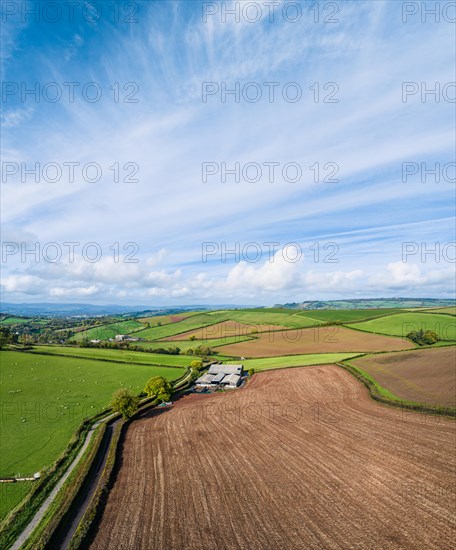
{"type": "Point", "coordinates": [160, 58]}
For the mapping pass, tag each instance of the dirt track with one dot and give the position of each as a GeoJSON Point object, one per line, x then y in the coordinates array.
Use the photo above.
{"type": "Point", "coordinates": [331, 339]}
{"type": "Point", "coordinates": [300, 459]}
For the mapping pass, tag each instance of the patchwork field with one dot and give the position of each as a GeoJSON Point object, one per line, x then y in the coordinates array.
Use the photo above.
{"type": "Point", "coordinates": [308, 462]}
{"type": "Point", "coordinates": [190, 323]}
{"type": "Point", "coordinates": [105, 332]}
{"type": "Point", "coordinates": [329, 339]}
{"type": "Point", "coordinates": [224, 330]}
{"type": "Point", "coordinates": [403, 323]}
{"type": "Point", "coordinates": [286, 318]}
{"type": "Point", "coordinates": [159, 320]}
{"type": "Point", "coordinates": [45, 398]}
{"type": "Point", "coordinates": [450, 310]}
{"type": "Point", "coordinates": [423, 376]}
{"type": "Point", "coordinates": [347, 315]}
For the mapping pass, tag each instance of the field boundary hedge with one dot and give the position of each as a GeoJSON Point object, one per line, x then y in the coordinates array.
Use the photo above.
{"type": "Point", "coordinates": [383, 395]}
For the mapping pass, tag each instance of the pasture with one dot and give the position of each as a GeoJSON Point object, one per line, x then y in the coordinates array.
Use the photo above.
{"type": "Point", "coordinates": [289, 318]}
{"type": "Point", "coordinates": [422, 376]}
{"type": "Point", "coordinates": [223, 330]}
{"type": "Point", "coordinates": [45, 398]}
{"type": "Point", "coordinates": [299, 459]}
{"type": "Point", "coordinates": [184, 345]}
{"type": "Point", "coordinates": [117, 355]}
{"type": "Point", "coordinates": [11, 494]}
{"type": "Point", "coordinates": [190, 323]}
{"type": "Point", "coordinates": [326, 339]}
{"type": "Point", "coordinates": [401, 324]}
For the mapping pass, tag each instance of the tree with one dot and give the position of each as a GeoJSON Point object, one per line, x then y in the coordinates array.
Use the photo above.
{"type": "Point", "coordinates": [125, 402]}
{"type": "Point", "coordinates": [192, 338]}
{"type": "Point", "coordinates": [423, 338]}
{"type": "Point", "coordinates": [159, 388]}
{"type": "Point", "coordinates": [196, 365]}
{"type": "Point", "coordinates": [251, 372]}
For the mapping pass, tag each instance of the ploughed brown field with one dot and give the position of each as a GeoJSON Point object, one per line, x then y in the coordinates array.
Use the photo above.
{"type": "Point", "coordinates": [424, 376]}
{"type": "Point", "coordinates": [314, 340]}
{"type": "Point", "coordinates": [223, 330]}
{"type": "Point", "coordinates": [299, 459]}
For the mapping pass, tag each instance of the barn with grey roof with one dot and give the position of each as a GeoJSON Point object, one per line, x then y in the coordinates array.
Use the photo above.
{"type": "Point", "coordinates": [229, 376]}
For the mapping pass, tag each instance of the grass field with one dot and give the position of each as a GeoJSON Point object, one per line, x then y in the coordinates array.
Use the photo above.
{"type": "Point", "coordinates": [289, 319]}
{"type": "Point", "coordinates": [347, 315]}
{"type": "Point", "coordinates": [166, 319]}
{"type": "Point", "coordinates": [105, 332]}
{"type": "Point", "coordinates": [184, 345]}
{"type": "Point", "coordinates": [294, 361]}
{"type": "Point", "coordinates": [421, 376]}
{"type": "Point", "coordinates": [225, 329]}
{"type": "Point", "coordinates": [11, 494]}
{"type": "Point", "coordinates": [190, 323]}
{"type": "Point", "coordinates": [450, 310]}
{"type": "Point", "coordinates": [137, 357]}
{"type": "Point", "coordinates": [45, 398]}
{"type": "Point", "coordinates": [14, 320]}
{"type": "Point", "coordinates": [401, 324]}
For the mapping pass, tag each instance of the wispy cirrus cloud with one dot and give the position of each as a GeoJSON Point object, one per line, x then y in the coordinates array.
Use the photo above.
{"type": "Point", "coordinates": [369, 212]}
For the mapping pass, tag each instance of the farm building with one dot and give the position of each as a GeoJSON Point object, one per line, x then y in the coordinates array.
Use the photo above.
{"type": "Point", "coordinates": [226, 369]}
{"type": "Point", "coordinates": [223, 375]}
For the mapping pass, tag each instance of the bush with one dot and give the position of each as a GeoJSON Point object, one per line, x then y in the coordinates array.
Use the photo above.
{"type": "Point", "coordinates": [423, 338]}
{"type": "Point", "coordinates": [196, 365]}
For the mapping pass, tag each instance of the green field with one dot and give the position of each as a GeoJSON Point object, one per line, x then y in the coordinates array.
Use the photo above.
{"type": "Point", "coordinates": [104, 332]}
{"type": "Point", "coordinates": [402, 323]}
{"type": "Point", "coordinates": [290, 319]}
{"type": "Point", "coordinates": [347, 315]}
{"type": "Point", "coordinates": [14, 320]}
{"type": "Point", "coordinates": [44, 399]}
{"type": "Point", "coordinates": [294, 361]}
{"type": "Point", "coordinates": [137, 357]}
{"type": "Point", "coordinates": [11, 494]}
{"type": "Point", "coordinates": [191, 323]}
{"type": "Point", "coordinates": [184, 345]}
{"type": "Point", "coordinates": [450, 310]}
{"type": "Point", "coordinates": [167, 319]}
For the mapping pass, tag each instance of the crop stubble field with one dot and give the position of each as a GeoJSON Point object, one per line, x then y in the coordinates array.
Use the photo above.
{"type": "Point", "coordinates": [300, 458]}
{"type": "Point", "coordinates": [331, 339]}
{"type": "Point", "coordinates": [423, 376]}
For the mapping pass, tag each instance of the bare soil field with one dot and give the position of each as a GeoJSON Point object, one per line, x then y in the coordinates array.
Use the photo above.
{"type": "Point", "coordinates": [331, 339]}
{"type": "Point", "coordinates": [224, 330]}
{"type": "Point", "coordinates": [423, 376]}
{"type": "Point", "coordinates": [299, 459]}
